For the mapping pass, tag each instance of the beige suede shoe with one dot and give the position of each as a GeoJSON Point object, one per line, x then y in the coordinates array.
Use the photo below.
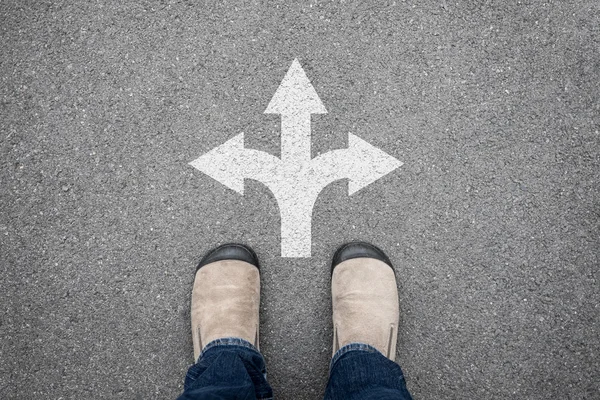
{"type": "Point", "coordinates": [365, 298]}
{"type": "Point", "coordinates": [226, 296]}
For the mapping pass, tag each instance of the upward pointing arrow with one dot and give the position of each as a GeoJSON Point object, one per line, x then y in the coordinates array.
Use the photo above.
{"type": "Point", "coordinates": [296, 180]}
{"type": "Point", "coordinates": [295, 99]}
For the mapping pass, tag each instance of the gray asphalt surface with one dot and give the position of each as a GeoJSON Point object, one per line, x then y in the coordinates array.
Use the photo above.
{"type": "Point", "coordinates": [492, 222]}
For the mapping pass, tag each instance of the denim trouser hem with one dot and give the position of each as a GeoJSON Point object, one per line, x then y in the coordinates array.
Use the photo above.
{"type": "Point", "coordinates": [233, 368]}
{"type": "Point", "coordinates": [227, 368]}
{"type": "Point", "coordinates": [228, 341]}
{"type": "Point", "coordinates": [359, 371]}
{"type": "Point", "coordinates": [356, 346]}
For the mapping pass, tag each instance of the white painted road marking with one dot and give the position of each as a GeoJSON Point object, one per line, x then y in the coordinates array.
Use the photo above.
{"type": "Point", "coordinates": [296, 180]}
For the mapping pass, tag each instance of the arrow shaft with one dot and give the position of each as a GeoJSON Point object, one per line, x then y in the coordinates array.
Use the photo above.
{"type": "Point", "coordinates": [295, 139]}
{"type": "Point", "coordinates": [296, 220]}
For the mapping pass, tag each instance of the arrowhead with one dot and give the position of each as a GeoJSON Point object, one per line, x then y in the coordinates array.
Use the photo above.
{"type": "Point", "coordinates": [370, 163]}
{"type": "Point", "coordinates": [295, 94]}
{"type": "Point", "coordinates": [225, 163]}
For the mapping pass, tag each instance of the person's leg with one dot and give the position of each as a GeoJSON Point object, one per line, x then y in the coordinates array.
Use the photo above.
{"type": "Point", "coordinates": [228, 368]}
{"type": "Point", "coordinates": [225, 307]}
{"type": "Point", "coordinates": [365, 323]}
{"type": "Point", "coordinates": [360, 372]}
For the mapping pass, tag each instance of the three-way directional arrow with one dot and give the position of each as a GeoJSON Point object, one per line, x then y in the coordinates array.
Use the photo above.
{"type": "Point", "coordinates": [296, 179]}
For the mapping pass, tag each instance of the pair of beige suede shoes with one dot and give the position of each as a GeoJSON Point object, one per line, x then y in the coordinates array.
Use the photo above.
{"type": "Point", "coordinates": [226, 297]}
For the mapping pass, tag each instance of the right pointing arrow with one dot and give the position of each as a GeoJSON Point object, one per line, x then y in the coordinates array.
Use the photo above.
{"type": "Point", "coordinates": [369, 164]}
{"type": "Point", "coordinates": [362, 163]}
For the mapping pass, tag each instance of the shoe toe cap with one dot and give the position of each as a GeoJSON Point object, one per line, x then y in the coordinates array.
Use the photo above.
{"type": "Point", "coordinates": [352, 250]}
{"type": "Point", "coordinates": [230, 251]}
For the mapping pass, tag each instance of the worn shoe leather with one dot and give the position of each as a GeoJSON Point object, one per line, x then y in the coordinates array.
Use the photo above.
{"type": "Point", "coordinates": [365, 299]}
{"type": "Point", "coordinates": [226, 297]}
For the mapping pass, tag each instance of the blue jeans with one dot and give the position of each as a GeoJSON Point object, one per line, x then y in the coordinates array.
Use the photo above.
{"type": "Point", "coordinates": [233, 369]}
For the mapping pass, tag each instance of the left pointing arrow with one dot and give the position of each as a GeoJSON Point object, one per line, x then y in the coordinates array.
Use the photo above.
{"type": "Point", "coordinates": [230, 163]}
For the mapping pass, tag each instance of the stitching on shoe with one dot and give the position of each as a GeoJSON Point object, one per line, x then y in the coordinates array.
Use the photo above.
{"type": "Point", "coordinates": [256, 338]}
{"type": "Point", "coordinates": [199, 338]}
{"type": "Point", "coordinates": [389, 350]}
{"type": "Point", "coordinates": [337, 339]}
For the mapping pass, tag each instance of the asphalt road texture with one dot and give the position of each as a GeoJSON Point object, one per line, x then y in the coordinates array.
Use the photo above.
{"type": "Point", "coordinates": [492, 222]}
